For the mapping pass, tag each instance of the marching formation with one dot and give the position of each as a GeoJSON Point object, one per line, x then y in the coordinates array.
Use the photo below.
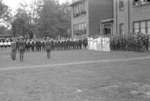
{"type": "Point", "coordinates": [22, 45]}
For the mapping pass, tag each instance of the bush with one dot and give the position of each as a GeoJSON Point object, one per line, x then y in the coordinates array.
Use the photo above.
{"type": "Point", "coordinates": [130, 42]}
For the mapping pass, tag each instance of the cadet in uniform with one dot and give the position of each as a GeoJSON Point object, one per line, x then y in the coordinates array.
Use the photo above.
{"type": "Point", "coordinates": [48, 48]}
{"type": "Point", "coordinates": [13, 50]}
{"type": "Point", "coordinates": [21, 48]}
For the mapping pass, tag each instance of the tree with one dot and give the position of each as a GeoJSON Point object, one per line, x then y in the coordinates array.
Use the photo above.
{"type": "Point", "coordinates": [4, 11]}
{"type": "Point", "coordinates": [45, 17]}
{"type": "Point", "coordinates": [2, 30]}
{"type": "Point", "coordinates": [64, 20]}
{"type": "Point", "coordinates": [4, 18]}
{"type": "Point", "coordinates": [25, 21]}
{"type": "Point", "coordinates": [20, 24]}
{"type": "Point", "coordinates": [53, 19]}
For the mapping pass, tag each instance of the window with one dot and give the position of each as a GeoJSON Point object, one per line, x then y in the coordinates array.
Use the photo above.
{"type": "Point", "coordinates": [74, 27]}
{"type": "Point", "coordinates": [79, 29]}
{"type": "Point", "coordinates": [136, 27]}
{"type": "Point", "coordinates": [85, 28]}
{"type": "Point", "coordinates": [121, 28]}
{"type": "Point", "coordinates": [121, 5]}
{"type": "Point", "coordinates": [143, 27]}
{"type": "Point", "coordinates": [84, 8]}
{"type": "Point", "coordinates": [74, 11]}
{"type": "Point", "coordinates": [148, 27]}
{"type": "Point", "coordinates": [86, 4]}
{"type": "Point", "coordinates": [79, 9]}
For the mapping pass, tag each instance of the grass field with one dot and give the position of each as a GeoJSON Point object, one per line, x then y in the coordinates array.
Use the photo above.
{"type": "Point", "coordinates": [116, 76]}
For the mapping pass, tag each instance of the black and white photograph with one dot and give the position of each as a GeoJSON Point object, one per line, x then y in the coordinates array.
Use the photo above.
{"type": "Point", "coordinates": [74, 50]}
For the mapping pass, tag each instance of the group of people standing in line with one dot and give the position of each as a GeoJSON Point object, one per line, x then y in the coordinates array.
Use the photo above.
{"type": "Point", "coordinates": [25, 45]}
{"type": "Point", "coordinates": [5, 43]}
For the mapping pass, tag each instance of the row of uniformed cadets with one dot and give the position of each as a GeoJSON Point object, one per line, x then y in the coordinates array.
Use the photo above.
{"type": "Point", "coordinates": [69, 44]}
{"type": "Point", "coordinates": [39, 45]}
{"type": "Point", "coordinates": [5, 43]}
{"type": "Point", "coordinates": [22, 45]}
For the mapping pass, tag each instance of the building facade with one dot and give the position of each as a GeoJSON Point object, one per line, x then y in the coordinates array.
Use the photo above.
{"type": "Point", "coordinates": [91, 18]}
{"type": "Point", "coordinates": [131, 16]}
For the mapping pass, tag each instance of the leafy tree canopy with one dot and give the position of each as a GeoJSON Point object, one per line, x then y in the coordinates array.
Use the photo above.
{"type": "Point", "coordinates": [47, 17]}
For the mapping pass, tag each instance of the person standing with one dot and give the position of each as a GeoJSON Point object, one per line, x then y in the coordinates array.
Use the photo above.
{"type": "Point", "coordinates": [21, 49]}
{"type": "Point", "coordinates": [48, 48]}
{"type": "Point", "coordinates": [13, 50]}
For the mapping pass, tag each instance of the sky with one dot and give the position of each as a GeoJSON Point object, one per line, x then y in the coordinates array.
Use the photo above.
{"type": "Point", "coordinates": [13, 4]}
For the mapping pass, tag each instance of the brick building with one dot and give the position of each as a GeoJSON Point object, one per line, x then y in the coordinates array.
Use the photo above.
{"type": "Point", "coordinates": [91, 17]}
{"type": "Point", "coordinates": [131, 16]}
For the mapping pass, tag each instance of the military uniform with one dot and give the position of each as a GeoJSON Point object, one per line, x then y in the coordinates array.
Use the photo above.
{"type": "Point", "coordinates": [48, 48]}
{"type": "Point", "coordinates": [13, 50]}
{"type": "Point", "coordinates": [21, 49]}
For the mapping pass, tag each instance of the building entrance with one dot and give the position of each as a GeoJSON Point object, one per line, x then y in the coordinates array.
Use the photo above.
{"type": "Point", "coordinates": [107, 27]}
{"type": "Point", "coordinates": [107, 30]}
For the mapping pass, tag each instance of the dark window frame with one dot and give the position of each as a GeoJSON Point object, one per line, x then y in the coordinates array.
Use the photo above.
{"type": "Point", "coordinates": [146, 25]}
{"type": "Point", "coordinates": [79, 9]}
{"type": "Point", "coordinates": [121, 5]}
{"type": "Point", "coordinates": [77, 30]}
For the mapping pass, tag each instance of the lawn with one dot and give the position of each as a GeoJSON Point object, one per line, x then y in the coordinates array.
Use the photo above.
{"type": "Point", "coordinates": [103, 81]}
